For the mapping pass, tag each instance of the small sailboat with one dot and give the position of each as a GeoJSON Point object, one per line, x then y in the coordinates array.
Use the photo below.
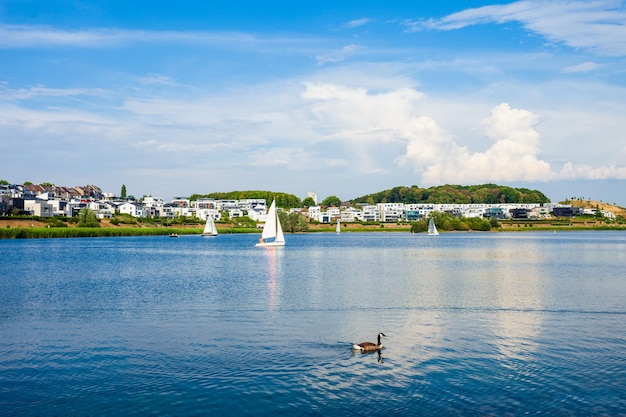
{"type": "Point", "coordinates": [338, 228]}
{"type": "Point", "coordinates": [272, 230]}
{"type": "Point", "coordinates": [209, 227]}
{"type": "Point", "coordinates": [432, 229]}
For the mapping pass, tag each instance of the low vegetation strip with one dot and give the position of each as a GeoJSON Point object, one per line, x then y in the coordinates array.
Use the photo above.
{"type": "Point", "coordinates": [62, 232]}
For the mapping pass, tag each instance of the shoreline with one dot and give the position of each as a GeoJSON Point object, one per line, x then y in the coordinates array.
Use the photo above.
{"type": "Point", "coordinates": [27, 228]}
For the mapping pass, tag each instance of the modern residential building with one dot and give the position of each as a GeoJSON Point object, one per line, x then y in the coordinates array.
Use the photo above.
{"type": "Point", "coordinates": [45, 201]}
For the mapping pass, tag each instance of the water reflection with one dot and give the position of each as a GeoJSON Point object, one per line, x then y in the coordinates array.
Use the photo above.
{"type": "Point", "coordinates": [378, 352]}
{"type": "Point", "coordinates": [273, 257]}
{"type": "Point", "coordinates": [477, 324]}
{"type": "Point", "coordinates": [520, 294]}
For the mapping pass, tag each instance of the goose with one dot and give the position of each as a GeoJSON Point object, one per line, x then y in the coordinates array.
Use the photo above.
{"type": "Point", "coordinates": [369, 346]}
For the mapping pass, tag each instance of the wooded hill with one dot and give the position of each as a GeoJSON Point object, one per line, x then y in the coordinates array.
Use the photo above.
{"type": "Point", "coordinates": [283, 200]}
{"type": "Point", "coordinates": [444, 194]}
{"type": "Point", "coordinates": [455, 194]}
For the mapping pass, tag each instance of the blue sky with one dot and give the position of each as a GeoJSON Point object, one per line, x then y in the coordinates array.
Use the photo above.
{"type": "Point", "coordinates": [175, 98]}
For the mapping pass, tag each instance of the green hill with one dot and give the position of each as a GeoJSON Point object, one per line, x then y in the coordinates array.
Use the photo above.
{"type": "Point", "coordinates": [283, 200]}
{"type": "Point", "coordinates": [455, 194]}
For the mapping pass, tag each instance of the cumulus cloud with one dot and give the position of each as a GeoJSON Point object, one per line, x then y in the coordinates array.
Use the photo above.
{"type": "Point", "coordinates": [382, 131]}
{"type": "Point", "coordinates": [366, 119]}
{"type": "Point", "coordinates": [346, 109]}
{"type": "Point", "coordinates": [512, 157]}
{"type": "Point", "coordinates": [598, 26]}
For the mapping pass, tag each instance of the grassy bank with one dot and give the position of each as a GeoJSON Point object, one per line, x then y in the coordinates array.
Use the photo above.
{"type": "Point", "coordinates": [40, 231]}
{"type": "Point", "coordinates": [60, 232]}
{"type": "Point", "coordinates": [64, 232]}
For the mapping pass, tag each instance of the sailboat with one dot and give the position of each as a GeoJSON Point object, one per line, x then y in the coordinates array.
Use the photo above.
{"type": "Point", "coordinates": [272, 231]}
{"type": "Point", "coordinates": [209, 227]}
{"type": "Point", "coordinates": [432, 229]}
{"type": "Point", "coordinates": [338, 228]}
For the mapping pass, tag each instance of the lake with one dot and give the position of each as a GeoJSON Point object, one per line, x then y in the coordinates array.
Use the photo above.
{"type": "Point", "coordinates": [484, 324]}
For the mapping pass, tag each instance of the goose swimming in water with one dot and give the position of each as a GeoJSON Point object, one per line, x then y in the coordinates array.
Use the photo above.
{"type": "Point", "coordinates": [369, 346]}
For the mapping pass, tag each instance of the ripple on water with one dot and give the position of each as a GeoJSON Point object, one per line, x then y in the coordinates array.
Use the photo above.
{"type": "Point", "coordinates": [476, 325]}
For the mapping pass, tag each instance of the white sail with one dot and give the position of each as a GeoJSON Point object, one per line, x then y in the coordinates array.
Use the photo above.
{"type": "Point", "coordinates": [209, 227]}
{"type": "Point", "coordinates": [432, 229]}
{"type": "Point", "coordinates": [272, 230]}
{"type": "Point", "coordinates": [338, 228]}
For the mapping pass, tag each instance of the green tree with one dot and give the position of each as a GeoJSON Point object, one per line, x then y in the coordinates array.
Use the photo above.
{"type": "Point", "coordinates": [123, 192]}
{"type": "Point", "coordinates": [494, 223]}
{"type": "Point", "coordinates": [598, 214]}
{"type": "Point", "coordinates": [283, 200]}
{"type": "Point", "coordinates": [308, 202]}
{"type": "Point", "coordinates": [298, 222]}
{"type": "Point", "coordinates": [477, 194]}
{"type": "Point", "coordinates": [293, 222]}
{"type": "Point", "coordinates": [419, 226]}
{"type": "Point", "coordinates": [331, 201]}
{"type": "Point", "coordinates": [87, 218]}
{"type": "Point", "coordinates": [244, 221]}
{"type": "Point", "coordinates": [4, 182]}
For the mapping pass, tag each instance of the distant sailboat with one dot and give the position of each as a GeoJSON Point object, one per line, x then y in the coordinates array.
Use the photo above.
{"type": "Point", "coordinates": [209, 227]}
{"type": "Point", "coordinates": [272, 231]}
{"type": "Point", "coordinates": [432, 229]}
{"type": "Point", "coordinates": [338, 228]}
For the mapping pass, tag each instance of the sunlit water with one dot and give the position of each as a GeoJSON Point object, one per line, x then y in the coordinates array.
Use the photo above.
{"type": "Point", "coordinates": [476, 324]}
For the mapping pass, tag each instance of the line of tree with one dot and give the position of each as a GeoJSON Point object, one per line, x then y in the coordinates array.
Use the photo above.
{"type": "Point", "coordinates": [87, 218]}
{"type": "Point", "coordinates": [283, 200]}
{"type": "Point", "coordinates": [455, 194]}
{"type": "Point", "coordinates": [445, 221]}
{"type": "Point", "coordinates": [293, 222]}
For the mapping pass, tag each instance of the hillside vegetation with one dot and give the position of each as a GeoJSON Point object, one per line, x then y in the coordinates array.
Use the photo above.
{"type": "Point", "coordinates": [455, 194]}
{"type": "Point", "coordinates": [283, 200]}
{"type": "Point", "coordinates": [593, 204]}
{"type": "Point", "coordinates": [444, 194]}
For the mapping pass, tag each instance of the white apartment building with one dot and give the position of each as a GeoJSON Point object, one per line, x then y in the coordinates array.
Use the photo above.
{"type": "Point", "coordinates": [155, 202]}
{"type": "Point", "coordinates": [133, 209]}
{"type": "Point", "coordinates": [204, 213]}
{"type": "Point", "coordinates": [371, 214]}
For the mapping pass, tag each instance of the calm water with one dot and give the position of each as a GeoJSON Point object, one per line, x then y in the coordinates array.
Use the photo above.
{"type": "Point", "coordinates": [476, 324]}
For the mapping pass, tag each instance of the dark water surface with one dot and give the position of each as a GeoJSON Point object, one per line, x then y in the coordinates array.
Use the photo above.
{"type": "Point", "coordinates": [477, 324]}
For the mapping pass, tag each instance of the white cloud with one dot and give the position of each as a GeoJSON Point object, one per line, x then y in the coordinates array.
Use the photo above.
{"type": "Point", "coordinates": [571, 171]}
{"type": "Point", "coordinates": [348, 130]}
{"type": "Point", "coordinates": [353, 112]}
{"type": "Point", "coordinates": [337, 56]}
{"type": "Point", "coordinates": [41, 91]}
{"type": "Point", "coordinates": [24, 36]}
{"type": "Point", "coordinates": [598, 26]}
{"type": "Point", "coordinates": [584, 67]}
{"type": "Point", "coordinates": [512, 157]}
{"type": "Point", "coordinates": [150, 79]}
{"type": "Point", "coordinates": [358, 22]}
